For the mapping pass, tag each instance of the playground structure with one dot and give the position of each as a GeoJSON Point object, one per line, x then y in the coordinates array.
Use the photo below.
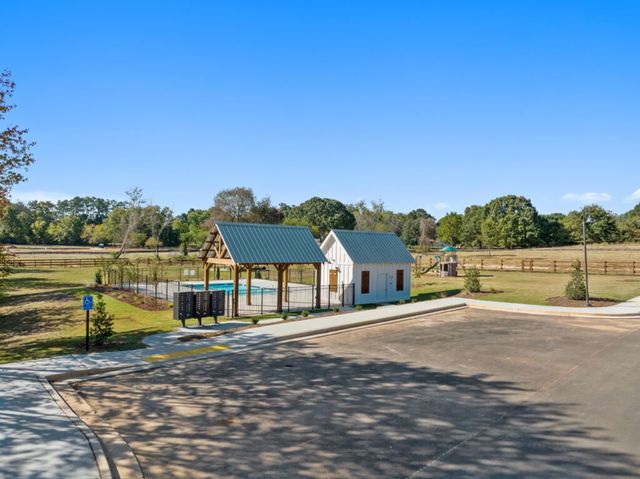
{"type": "Point", "coordinates": [445, 265]}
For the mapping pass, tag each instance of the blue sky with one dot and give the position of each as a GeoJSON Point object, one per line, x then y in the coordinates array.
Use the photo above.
{"type": "Point", "coordinates": [432, 104]}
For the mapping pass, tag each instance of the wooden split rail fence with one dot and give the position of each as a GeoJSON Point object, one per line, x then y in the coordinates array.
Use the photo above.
{"type": "Point", "coordinates": [626, 268]}
{"type": "Point", "coordinates": [98, 262]}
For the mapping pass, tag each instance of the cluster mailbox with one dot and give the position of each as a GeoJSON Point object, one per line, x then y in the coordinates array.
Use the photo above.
{"type": "Point", "coordinates": [198, 304]}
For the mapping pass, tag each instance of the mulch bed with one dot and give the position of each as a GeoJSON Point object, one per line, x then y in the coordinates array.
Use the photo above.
{"type": "Point", "coordinates": [595, 302]}
{"type": "Point", "coordinates": [138, 300]}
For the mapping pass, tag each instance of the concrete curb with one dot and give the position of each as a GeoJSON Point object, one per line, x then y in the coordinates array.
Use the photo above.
{"type": "Point", "coordinates": [102, 460]}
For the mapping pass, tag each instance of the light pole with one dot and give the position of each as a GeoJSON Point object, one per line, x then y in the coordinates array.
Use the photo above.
{"type": "Point", "coordinates": [585, 219]}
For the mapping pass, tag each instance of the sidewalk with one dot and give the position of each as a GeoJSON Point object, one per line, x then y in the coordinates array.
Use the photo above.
{"type": "Point", "coordinates": [38, 439]}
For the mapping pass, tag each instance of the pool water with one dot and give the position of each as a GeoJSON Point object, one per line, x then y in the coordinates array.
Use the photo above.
{"type": "Point", "coordinates": [228, 287]}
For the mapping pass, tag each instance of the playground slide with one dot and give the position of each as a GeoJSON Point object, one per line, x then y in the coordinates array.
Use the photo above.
{"type": "Point", "coordinates": [433, 266]}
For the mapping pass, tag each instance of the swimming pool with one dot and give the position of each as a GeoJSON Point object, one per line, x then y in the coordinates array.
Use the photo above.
{"type": "Point", "coordinates": [228, 287]}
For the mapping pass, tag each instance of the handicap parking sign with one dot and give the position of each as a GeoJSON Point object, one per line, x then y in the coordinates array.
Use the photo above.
{"type": "Point", "coordinates": [87, 303]}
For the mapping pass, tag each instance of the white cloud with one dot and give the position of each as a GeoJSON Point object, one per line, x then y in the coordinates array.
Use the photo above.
{"type": "Point", "coordinates": [38, 195]}
{"type": "Point", "coordinates": [635, 196]}
{"type": "Point", "coordinates": [441, 206]}
{"type": "Point", "coordinates": [587, 197]}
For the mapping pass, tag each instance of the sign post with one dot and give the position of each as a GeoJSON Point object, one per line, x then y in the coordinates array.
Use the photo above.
{"type": "Point", "coordinates": [87, 305]}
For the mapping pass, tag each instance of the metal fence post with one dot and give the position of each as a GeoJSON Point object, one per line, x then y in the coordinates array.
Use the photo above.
{"type": "Point", "coordinates": [155, 287]}
{"type": "Point", "coordinates": [166, 296]}
{"type": "Point", "coordinates": [328, 297]}
{"type": "Point", "coordinates": [343, 294]}
{"type": "Point", "coordinates": [261, 300]}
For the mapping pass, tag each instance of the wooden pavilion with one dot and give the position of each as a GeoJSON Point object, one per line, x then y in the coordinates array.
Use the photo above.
{"type": "Point", "coordinates": [247, 246]}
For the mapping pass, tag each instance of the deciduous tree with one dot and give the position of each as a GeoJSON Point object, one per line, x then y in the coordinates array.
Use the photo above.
{"type": "Point", "coordinates": [15, 148]}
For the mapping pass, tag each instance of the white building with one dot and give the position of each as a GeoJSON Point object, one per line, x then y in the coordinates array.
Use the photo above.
{"type": "Point", "coordinates": [377, 264]}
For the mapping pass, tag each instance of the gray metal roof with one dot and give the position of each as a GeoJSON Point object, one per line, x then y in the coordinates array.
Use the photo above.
{"type": "Point", "coordinates": [373, 247]}
{"type": "Point", "coordinates": [262, 244]}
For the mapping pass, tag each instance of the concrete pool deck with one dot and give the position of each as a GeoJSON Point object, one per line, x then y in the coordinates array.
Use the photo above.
{"type": "Point", "coordinates": [35, 419]}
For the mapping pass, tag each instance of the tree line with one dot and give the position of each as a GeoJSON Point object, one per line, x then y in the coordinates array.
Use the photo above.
{"type": "Point", "coordinates": [505, 222]}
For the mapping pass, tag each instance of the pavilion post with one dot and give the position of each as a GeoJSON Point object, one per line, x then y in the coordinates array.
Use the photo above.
{"type": "Point", "coordinates": [280, 270]}
{"type": "Point", "coordinates": [318, 267]}
{"type": "Point", "coordinates": [236, 282]}
{"type": "Point", "coordinates": [206, 268]}
{"type": "Point", "coordinates": [286, 285]}
{"type": "Point", "coordinates": [249, 267]}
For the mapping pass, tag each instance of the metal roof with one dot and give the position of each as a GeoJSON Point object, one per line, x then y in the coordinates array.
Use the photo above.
{"type": "Point", "coordinates": [373, 247]}
{"type": "Point", "coordinates": [269, 244]}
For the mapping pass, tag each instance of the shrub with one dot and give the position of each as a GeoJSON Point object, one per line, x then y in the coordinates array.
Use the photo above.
{"type": "Point", "coordinates": [576, 288]}
{"type": "Point", "coordinates": [101, 322]}
{"type": "Point", "coordinates": [285, 316]}
{"type": "Point", "coordinates": [97, 277]}
{"type": "Point", "coordinates": [255, 320]}
{"type": "Point", "coordinates": [305, 314]}
{"type": "Point", "coordinates": [336, 309]}
{"type": "Point", "coordinates": [358, 307]}
{"type": "Point", "coordinates": [472, 280]}
{"type": "Point", "coordinates": [402, 301]}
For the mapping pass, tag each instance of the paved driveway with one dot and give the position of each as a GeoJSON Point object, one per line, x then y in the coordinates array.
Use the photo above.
{"type": "Point", "coordinates": [460, 394]}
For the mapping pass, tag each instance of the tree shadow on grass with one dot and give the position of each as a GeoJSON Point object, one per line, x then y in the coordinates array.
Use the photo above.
{"type": "Point", "coordinates": [40, 313]}
{"type": "Point", "coordinates": [297, 411]}
{"type": "Point", "coordinates": [35, 283]}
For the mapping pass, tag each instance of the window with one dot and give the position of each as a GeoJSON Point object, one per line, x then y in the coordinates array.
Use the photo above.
{"type": "Point", "coordinates": [364, 282]}
{"type": "Point", "coordinates": [399, 280]}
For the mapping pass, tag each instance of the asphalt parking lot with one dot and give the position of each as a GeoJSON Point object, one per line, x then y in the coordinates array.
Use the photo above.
{"type": "Point", "coordinates": [460, 394]}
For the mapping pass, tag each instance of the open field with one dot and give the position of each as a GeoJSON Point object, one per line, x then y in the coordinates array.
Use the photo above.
{"type": "Point", "coordinates": [530, 288]}
{"type": "Point", "coordinates": [460, 394]}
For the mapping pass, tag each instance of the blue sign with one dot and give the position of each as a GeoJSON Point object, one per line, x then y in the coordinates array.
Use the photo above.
{"type": "Point", "coordinates": [87, 303]}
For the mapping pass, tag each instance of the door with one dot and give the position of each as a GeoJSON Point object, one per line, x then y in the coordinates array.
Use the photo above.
{"type": "Point", "coordinates": [391, 286]}
{"type": "Point", "coordinates": [382, 287]}
{"type": "Point", "coordinates": [333, 280]}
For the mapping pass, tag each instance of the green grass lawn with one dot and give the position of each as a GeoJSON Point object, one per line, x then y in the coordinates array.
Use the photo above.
{"type": "Point", "coordinates": [41, 315]}
{"type": "Point", "coordinates": [530, 288]}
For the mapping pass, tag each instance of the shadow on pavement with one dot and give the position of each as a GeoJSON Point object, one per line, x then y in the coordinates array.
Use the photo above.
{"type": "Point", "coordinates": [296, 411]}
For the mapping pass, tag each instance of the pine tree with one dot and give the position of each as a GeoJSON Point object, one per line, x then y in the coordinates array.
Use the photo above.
{"type": "Point", "coordinates": [576, 288]}
{"type": "Point", "coordinates": [101, 322]}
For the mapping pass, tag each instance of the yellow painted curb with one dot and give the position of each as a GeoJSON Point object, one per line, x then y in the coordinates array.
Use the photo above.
{"type": "Point", "coordinates": [186, 352]}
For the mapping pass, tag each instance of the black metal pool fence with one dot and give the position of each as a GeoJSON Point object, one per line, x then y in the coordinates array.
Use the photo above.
{"type": "Point", "coordinates": [262, 300]}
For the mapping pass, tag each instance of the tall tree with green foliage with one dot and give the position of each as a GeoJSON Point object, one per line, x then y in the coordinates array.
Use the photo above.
{"type": "Point", "coordinates": [450, 228]}
{"type": "Point", "coordinates": [602, 227]}
{"type": "Point", "coordinates": [514, 222]}
{"type": "Point", "coordinates": [411, 226]}
{"type": "Point", "coordinates": [233, 204]}
{"type": "Point", "coordinates": [471, 228]}
{"type": "Point", "coordinates": [553, 231]}
{"type": "Point", "coordinates": [321, 215]}
{"type": "Point", "coordinates": [629, 225]}
{"type": "Point", "coordinates": [15, 148]}
{"type": "Point", "coordinates": [191, 227]}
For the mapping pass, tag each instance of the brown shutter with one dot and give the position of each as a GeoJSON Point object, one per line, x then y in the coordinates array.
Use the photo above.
{"type": "Point", "coordinates": [364, 282]}
{"type": "Point", "coordinates": [399, 280]}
